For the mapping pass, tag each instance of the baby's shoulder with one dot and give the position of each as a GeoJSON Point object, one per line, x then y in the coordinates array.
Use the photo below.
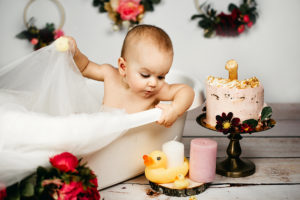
{"type": "Point", "coordinates": [109, 69]}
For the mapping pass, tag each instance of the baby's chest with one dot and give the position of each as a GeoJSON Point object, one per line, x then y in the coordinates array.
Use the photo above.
{"type": "Point", "coordinates": [120, 99]}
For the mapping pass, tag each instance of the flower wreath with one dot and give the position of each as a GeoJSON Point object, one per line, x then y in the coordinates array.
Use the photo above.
{"type": "Point", "coordinates": [125, 13]}
{"type": "Point", "coordinates": [233, 24]}
{"type": "Point", "coordinates": [41, 37]}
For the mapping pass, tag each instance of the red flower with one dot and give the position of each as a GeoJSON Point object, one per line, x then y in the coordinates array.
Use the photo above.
{"type": "Point", "coordinates": [34, 41]}
{"type": "Point", "coordinates": [2, 192]}
{"type": "Point", "coordinates": [58, 33]}
{"type": "Point", "coordinates": [65, 162]}
{"type": "Point", "coordinates": [246, 18]}
{"type": "Point", "coordinates": [245, 128]}
{"type": "Point", "coordinates": [70, 191]}
{"type": "Point", "coordinates": [226, 124]}
{"type": "Point", "coordinates": [241, 28]}
{"type": "Point", "coordinates": [228, 23]}
{"type": "Point", "coordinates": [250, 24]}
{"type": "Point", "coordinates": [90, 194]}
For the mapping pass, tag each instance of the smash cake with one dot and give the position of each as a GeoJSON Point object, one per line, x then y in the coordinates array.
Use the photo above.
{"type": "Point", "coordinates": [242, 99]}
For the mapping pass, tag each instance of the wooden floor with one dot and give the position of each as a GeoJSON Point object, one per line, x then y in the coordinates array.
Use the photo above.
{"type": "Point", "coordinates": [276, 154]}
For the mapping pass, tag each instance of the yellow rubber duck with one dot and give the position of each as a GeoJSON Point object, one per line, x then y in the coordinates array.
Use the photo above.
{"type": "Point", "coordinates": [180, 182]}
{"type": "Point", "coordinates": [156, 168]}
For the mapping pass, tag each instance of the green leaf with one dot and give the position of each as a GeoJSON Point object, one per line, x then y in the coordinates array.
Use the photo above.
{"type": "Point", "coordinates": [27, 189]}
{"type": "Point", "coordinates": [251, 122]}
{"type": "Point", "coordinates": [41, 171]}
{"type": "Point", "coordinates": [22, 35]}
{"type": "Point", "coordinates": [102, 9]}
{"type": "Point", "coordinates": [50, 27]}
{"type": "Point", "coordinates": [13, 192]}
{"type": "Point", "coordinates": [27, 185]}
{"type": "Point", "coordinates": [155, 1]}
{"type": "Point", "coordinates": [96, 2]}
{"type": "Point", "coordinates": [231, 7]}
{"type": "Point", "coordinates": [208, 33]}
{"type": "Point", "coordinates": [196, 16]}
{"type": "Point", "coordinates": [266, 113]}
{"type": "Point", "coordinates": [148, 6]}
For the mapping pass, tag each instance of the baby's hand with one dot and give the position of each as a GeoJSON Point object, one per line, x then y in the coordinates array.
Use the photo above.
{"type": "Point", "coordinates": [169, 114]}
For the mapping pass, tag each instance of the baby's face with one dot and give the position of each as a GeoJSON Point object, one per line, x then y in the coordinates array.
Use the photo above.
{"type": "Point", "coordinates": [147, 66]}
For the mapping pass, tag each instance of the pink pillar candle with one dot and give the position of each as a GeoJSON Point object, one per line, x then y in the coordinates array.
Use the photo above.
{"type": "Point", "coordinates": [203, 153]}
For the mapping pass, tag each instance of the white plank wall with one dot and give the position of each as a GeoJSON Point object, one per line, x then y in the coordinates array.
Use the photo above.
{"type": "Point", "coordinates": [276, 154]}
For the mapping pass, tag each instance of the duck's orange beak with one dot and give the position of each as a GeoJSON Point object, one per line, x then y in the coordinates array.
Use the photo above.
{"type": "Point", "coordinates": [148, 160]}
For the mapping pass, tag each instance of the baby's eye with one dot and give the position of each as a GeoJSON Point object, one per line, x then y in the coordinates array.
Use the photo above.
{"type": "Point", "coordinates": [161, 77]}
{"type": "Point", "coordinates": [145, 75]}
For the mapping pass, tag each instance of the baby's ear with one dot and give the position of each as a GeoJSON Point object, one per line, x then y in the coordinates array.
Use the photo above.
{"type": "Point", "coordinates": [122, 66]}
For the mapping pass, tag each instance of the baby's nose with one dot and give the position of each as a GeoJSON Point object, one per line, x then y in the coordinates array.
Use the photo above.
{"type": "Point", "coordinates": [152, 82]}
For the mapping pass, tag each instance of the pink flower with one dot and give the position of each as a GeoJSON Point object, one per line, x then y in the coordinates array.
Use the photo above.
{"type": "Point", "coordinates": [58, 33]}
{"type": "Point", "coordinates": [65, 162]}
{"type": "Point", "coordinates": [34, 41]}
{"type": "Point", "coordinates": [129, 9]}
{"type": "Point", "coordinates": [70, 191]}
{"type": "Point", "coordinates": [250, 24]}
{"type": "Point", "coordinates": [241, 28]}
{"type": "Point", "coordinates": [246, 18]}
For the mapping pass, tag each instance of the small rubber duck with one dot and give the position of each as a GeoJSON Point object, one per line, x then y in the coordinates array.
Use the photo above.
{"type": "Point", "coordinates": [156, 168]}
{"type": "Point", "coordinates": [180, 182]}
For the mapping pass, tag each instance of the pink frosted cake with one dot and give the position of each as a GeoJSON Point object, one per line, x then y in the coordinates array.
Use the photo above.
{"type": "Point", "coordinates": [245, 99]}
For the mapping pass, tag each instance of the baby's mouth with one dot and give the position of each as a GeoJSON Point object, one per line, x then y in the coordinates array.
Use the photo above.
{"type": "Point", "coordinates": [149, 92]}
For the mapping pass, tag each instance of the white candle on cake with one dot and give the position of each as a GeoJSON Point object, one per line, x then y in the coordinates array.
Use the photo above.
{"type": "Point", "coordinates": [175, 153]}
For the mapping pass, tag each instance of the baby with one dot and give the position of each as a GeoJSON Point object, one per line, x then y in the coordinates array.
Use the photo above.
{"type": "Point", "coordinates": [139, 83]}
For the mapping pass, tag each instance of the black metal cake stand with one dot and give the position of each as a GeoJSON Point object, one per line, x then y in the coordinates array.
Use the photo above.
{"type": "Point", "coordinates": [233, 165]}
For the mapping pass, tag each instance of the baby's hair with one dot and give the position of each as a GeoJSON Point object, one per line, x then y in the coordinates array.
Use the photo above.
{"type": "Point", "coordinates": [156, 34]}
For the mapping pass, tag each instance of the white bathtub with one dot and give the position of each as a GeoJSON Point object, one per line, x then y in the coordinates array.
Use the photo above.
{"type": "Point", "coordinates": [122, 159]}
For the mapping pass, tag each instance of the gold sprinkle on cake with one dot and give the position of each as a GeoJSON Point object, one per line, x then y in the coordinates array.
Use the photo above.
{"type": "Point", "coordinates": [223, 82]}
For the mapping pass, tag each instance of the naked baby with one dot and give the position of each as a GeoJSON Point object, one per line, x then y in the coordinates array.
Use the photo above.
{"type": "Point", "coordinates": [139, 83]}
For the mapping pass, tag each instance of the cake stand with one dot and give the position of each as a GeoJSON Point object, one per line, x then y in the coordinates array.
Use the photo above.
{"type": "Point", "coordinates": [233, 165]}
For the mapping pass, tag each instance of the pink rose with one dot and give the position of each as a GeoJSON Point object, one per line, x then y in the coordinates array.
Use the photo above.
{"type": "Point", "coordinates": [34, 41]}
{"type": "Point", "coordinates": [58, 33]}
{"type": "Point", "coordinates": [65, 162]}
{"type": "Point", "coordinates": [70, 191]}
{"type": "Point", "coordinates": [129, 9]}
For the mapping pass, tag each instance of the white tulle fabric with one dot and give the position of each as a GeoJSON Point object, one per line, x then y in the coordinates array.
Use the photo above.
{"type": "Point", "coordinates": [47, 107]}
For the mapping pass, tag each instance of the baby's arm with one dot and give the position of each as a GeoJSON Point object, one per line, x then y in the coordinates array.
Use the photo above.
{"type": "Point", "coordinates": [182, 97]}
{"type": "Point", "coordinates": [88, 68]}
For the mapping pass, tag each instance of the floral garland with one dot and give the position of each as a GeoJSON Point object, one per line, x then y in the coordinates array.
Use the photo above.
{"type": "Point", "coordinates": [67, 179]}
{"type": "Point", "coordinates": [40, 37]}
{"type": "Point", "coordinates": [125, 13]}
{"type": "Point", "coordinates": [227, 124]}
{"type": "Point", "coordinates": [233, 24]}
